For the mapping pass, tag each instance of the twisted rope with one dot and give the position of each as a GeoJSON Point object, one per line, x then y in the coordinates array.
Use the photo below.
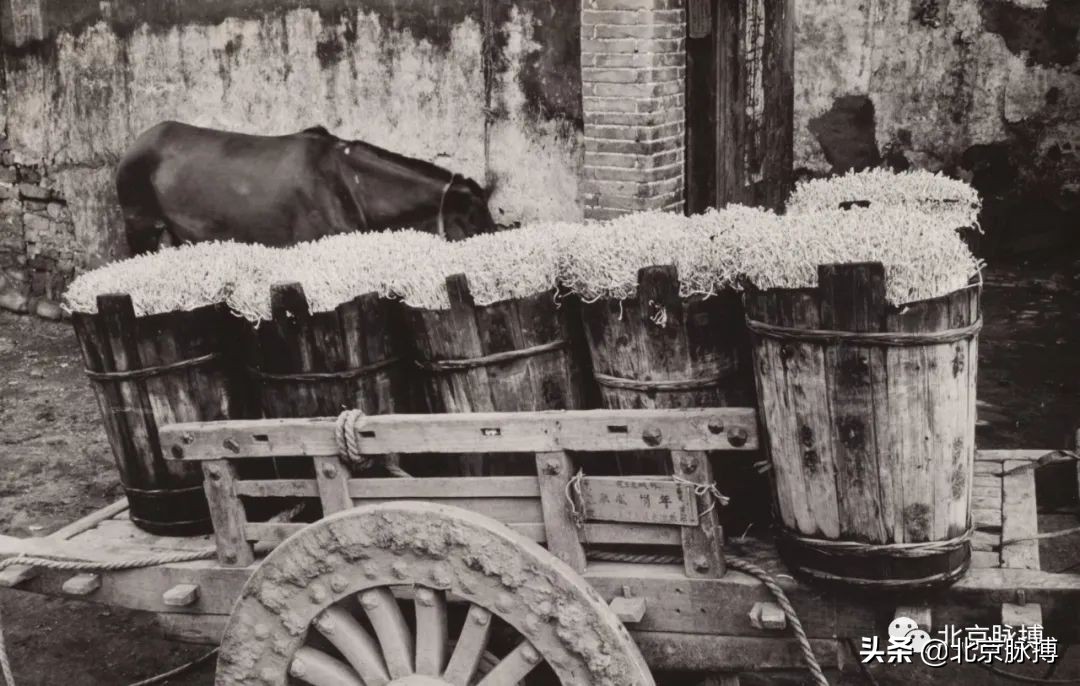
{"type": "Point", "coordinates": [444, 366]}
{"type": "Point", "coordinates": [345, 436]}
{"type": "Point", "coordinates": [668, 385]}
{"type": "Point", "coordinates": [311, 377]}
{"type": "Point", "coordinates": [753, 570]}
{"type": "Point", "coordinates": [894, 339]}
{"type": "Point", "coordinates": [146, 372]}
{"type": "Point", "coordinates": [708, 490]}
{"type": "Point", "coordinates": [894, 550]}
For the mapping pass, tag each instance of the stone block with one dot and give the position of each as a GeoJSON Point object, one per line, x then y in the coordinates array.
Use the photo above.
{"type": "Point", "coordinates": [33, 191]}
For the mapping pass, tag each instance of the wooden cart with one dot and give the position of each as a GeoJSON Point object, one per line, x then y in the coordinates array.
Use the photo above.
{"type": "Point", "coordinates": [429, 581]}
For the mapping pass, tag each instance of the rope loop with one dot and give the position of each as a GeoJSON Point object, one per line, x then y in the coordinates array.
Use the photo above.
{"type": "Point", "coordinates": [348, 445]}
{"type": "Point", "coordinates": [445, 366]}
{"type": "Point", "coordinates": [707, 491]}
{"type": "Point", "coordinates": [575, 500]}
{"type": "Point", "coordinates": [860, 549]}
{"type": "Point", "coordinates": [662, 386]}
{"type": "Point", "coordinates": [343, 375]}
{"type": "Point", "coordinates": [147, 372]}
{"type": "Point", "coordinates": [893, 339]}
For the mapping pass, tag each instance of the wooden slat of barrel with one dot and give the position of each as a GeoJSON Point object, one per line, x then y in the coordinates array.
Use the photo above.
{"type": "Point", "coordinates": [166, 498]}
{"type": "Point", "coordinates": [549, 380]}
{"type": "Point", "coordinates": [853, 299]}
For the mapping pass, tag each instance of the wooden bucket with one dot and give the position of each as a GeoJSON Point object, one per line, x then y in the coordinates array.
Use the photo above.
{"type": "Point", "coordinates": [869, 414]}
{"type": "Point", "coordinates": [319, 364]}
{"type": "Point", "coordinates": [659, 350]}
{"type": "Point", "coordinates": [156, 370]}
{"type": "Point", "coordinates": [511, 356]}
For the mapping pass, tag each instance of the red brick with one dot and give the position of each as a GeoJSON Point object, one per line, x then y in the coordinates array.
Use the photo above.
{"type": "Point", "coordinates": [631, 74]}
{"type": "Point", "coordinates": [635, 159]}
{"type": "Point", "coordinates": [594, 104]}
{"type": "Point", "coordinates": [601, 118]}
{"type": "Point", "coordinates": [644, 60]}
{"type": "Point", "coordinates": [635, 133]}
{"type": "Point", "coordinates": [632, 5]}
{"type": "Point", "coordinates": [628, 31]}
{"type": "Point", "coordinates": [633, 148]}
{"type": "Point", "coordinates": [637, 175]}
{"type": "Point", "coordinates": [632, 90]}
{"type": "Point", "coordinates": [637, 17]}
{"type": "Point", "coordinates": [631, 45]}
{"type": "Point", "coordinates": [661, 103]}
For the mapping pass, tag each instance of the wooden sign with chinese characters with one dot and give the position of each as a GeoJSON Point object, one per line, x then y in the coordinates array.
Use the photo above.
{"type": "Point", "coordinates": [641, 501]}
{"type": "Point", "coordinates": [699, 13]}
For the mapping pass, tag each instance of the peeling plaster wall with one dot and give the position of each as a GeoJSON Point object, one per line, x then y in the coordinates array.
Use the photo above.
{"type": "Point", "coordinates": [987, 90]}
{"type": "Point", "coordinates": [483, 93]}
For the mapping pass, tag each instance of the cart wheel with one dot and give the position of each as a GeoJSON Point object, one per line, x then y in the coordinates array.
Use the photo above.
{"type": "Point", "coordinates": [416, 594]}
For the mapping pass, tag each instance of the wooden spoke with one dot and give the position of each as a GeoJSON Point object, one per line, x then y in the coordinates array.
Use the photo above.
{"type": "Point", "coordinates": [319, 669]}
{"type": "Point", "coordinates": [431, 632]}
{"type": "Point", "coordinates": [470, 647]}
{"type": "Point", "coordinates": [514, 667]}
{"type": "Point", "coordinates": [394, 634]}
{"type": "Point", "coordinates": [348, 624]}
{"type": "Point", "coordinates": [355, 644]}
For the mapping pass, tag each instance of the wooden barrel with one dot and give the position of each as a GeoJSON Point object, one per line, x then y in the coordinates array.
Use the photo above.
{"type": "Point", "coordinates": [156, 370]}
{"type": "Point", "coordinates": [511, 356]}
{"type": "Point", "coordinates": [869, 413]}
{"type": "Point", "coordinates": [319, 364]}
{"type": "Point", "coordinates": [660, 350]}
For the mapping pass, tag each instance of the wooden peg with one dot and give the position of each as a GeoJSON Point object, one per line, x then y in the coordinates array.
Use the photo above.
{"type": "Point", "coordinates": [181, 595]}
{"type": "Point", "coordinates": [82, 584]}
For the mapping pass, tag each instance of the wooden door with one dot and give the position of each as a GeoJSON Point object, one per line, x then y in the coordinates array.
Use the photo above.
{"type": "Point", "coordinates": [739, 102]}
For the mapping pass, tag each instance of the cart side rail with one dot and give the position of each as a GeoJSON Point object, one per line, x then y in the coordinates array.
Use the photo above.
{"type": "Point", "coordinates": [557, 506]}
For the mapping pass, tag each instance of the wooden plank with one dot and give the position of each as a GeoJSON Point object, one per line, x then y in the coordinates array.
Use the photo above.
{"type": "Point", "coordinates": [197, 629]}
{"type": "Point", "coordinates": [778, 108]}
{"type": "Point", "coordinates": [985, 558]}
{"type": "Point", "coordinates": [554, 471]}
{"type": "Point", "coordinates": [438, 487]}
{"type": "Point", "coordinates": [333, 480]}
{"type": "Point", "coordinates": [645, 501]}
{"type": "Point", "coordinates": [1010, 455]}
{"type": "Point", "coordinates": [91, 520]}
{"type": "Point", "coordinates": [1019, 519]}
{"type": "Point", "coordinates": [278, 488]}
{"type": "Point", "coordinates": [920, 614]}
{"type": "Point", "coordinates": [1021, 615]}
{"type": "Point", "coordinates": [227, 513]}
{"type": "Point", "coordinates": [985, 541]}
{"type": "Point", "coordinates": [702, 545]}
{"type": "Point", "coordinates": [506, 510]}
{"type": "Point", "coordinates": [853, 299]}
{"type": "Point", "coordinates": [583, 430]}
{"type": "Point", "coordinates": [143, 589]}
{"type": "Point", "coordinates": [983, 518]}
{"type": "Point", "coordinates": [706, 653]}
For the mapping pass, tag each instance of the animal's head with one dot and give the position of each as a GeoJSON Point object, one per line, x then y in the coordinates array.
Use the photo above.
{"type": "Point", "coordinates": [465, 210]}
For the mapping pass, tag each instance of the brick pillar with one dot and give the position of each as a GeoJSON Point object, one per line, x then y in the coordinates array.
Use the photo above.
{"type": "Point", "coordinates": [633, 73]}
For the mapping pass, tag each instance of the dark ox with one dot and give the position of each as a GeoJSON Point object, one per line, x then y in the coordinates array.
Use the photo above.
{"type": "Point", "coordinates": [186, 184]}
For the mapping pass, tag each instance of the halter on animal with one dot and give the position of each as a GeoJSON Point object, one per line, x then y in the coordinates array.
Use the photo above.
{"type": "Point", "coordinates": [442, 204]}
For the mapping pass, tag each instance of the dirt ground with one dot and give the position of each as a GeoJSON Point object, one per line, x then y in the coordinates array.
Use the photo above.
{"type": "Point", "coordinates": [55, 465]}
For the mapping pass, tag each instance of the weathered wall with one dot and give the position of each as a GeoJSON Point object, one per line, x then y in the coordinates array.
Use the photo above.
{"type": "Point", "coordinates": [983, 89]}
{"type": "Point", "coordinates": [489, 89]}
